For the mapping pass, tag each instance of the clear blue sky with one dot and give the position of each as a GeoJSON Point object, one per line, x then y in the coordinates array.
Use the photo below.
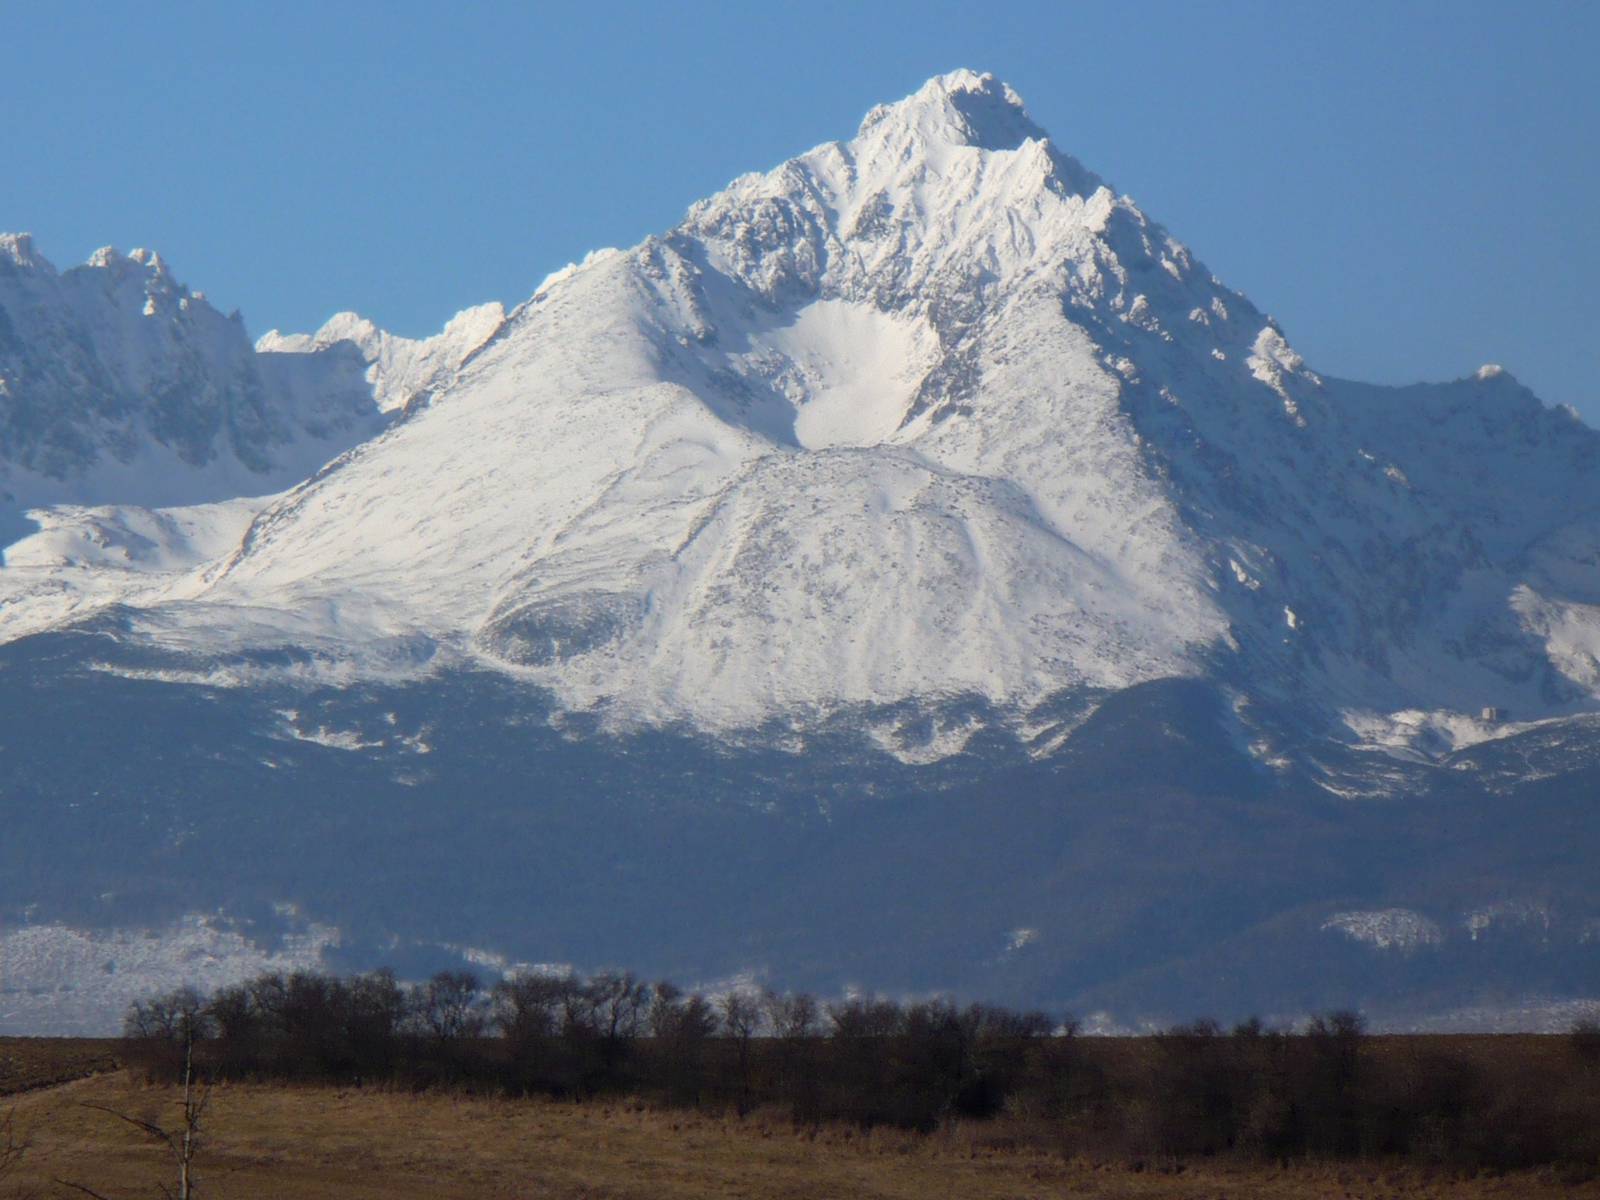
{"type": "Point", "coordinates": [1410, 188]}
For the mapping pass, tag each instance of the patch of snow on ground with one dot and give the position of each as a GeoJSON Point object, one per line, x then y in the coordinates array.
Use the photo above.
{"type": "Point", "coordinates": [1570, 631]}
{"type": "Point", "coordinates": [1432, 734]}
{"type": "Point", "coordinates": [860, 369]}
{"type": "Point", "coordinates": [293, 726]}
{"type": "Point", "coordinates": [925, 741]}
{"type": "Point", "coordinates": [1387, 928]}
{"type": "Point", "coordinates": [1518, 913]}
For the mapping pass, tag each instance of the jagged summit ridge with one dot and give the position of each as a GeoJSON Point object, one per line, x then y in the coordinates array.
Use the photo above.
{"type": "Point", "coordinates": [400, 370]}
{"type": "Point", "coordinates": [120, 384]}
{"type": "Point", "coordinates": [919, 187]}
{"type": "Point", "coordinates": [967, 110]}
{"type": "Point", "coordinates": [105, 362]}
{"type": "Point", "coordinates": [960, 108]}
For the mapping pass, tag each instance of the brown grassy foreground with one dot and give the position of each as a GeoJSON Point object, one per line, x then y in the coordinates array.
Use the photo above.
{"type": "Point", "coordinates": [305, 1141]}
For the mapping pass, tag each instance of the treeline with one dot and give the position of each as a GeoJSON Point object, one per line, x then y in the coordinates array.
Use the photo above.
{"type": "Point", "coordinates": [866, 1061]}
{"type": "Point", "coordinates": [1326, 1090]}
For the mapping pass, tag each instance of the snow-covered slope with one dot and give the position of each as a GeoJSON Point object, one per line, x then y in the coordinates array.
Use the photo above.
{"type": "Point", "coordinates": [140, 432]}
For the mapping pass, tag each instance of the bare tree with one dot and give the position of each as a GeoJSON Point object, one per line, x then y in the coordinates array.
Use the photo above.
{"type": "Point", "coordinates": [794, 1018]}
{"type": "Point", "coordinates": [792, 1015]}
{"type": "Point", "coordinates": [742, 1017]}
{"type": "Point", "coordinates": [447, 1006]}
{"type": "Point", "coordinates": [673, 1017]}
{"type": "Point", "coordinates": [375, 1010]}
{"type": "Point", "coordinates": [528, 1007]}
{"type": "Point", "coordinates": [527, 1010]}
{"type": "Point", "coordinates": [741, 1014]}
{"type": "Point", "coordinates": [665, 1011]}
{"type": "Point", "coordinates": [858, 1017]}
{"type": "Point", "coordinates": [620, 1001]}
{"type": "Point", "coordinates": [579, 1020]}
{"type": "Point", "coordinates": [679, 1026]}
{"type": "Point", "coordinates": [183, 1141]}
{"type": "Point", "coordinates": [173, 1017]}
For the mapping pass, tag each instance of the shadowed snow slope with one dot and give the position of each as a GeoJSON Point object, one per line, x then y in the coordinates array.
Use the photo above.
{"type": "Point", "coordinates": [401, 370]}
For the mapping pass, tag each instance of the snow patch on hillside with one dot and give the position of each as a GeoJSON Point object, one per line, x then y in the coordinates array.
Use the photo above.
{"type": "Point", "coordinates": [1387, 929]}
{"type": "Point", "coordinates": [853, 371]}
{"type": "Point", "coordinates": [1429, 736]}
{"type": "Point", "coordinates": [1515, 914]}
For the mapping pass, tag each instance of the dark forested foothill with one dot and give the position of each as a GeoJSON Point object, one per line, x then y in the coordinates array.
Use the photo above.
{"type": "Point", "coordinates": [1326, 1090]}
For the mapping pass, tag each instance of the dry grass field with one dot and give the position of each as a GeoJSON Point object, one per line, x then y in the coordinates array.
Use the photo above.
{"type": "Point", "coordinates": [280, 1141]}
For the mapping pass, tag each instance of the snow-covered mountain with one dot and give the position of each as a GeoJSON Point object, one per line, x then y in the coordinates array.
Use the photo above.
{"type": "Point", "coordinates": [929, 415]}
{"type": "Point", "coordinates": [926, 443]}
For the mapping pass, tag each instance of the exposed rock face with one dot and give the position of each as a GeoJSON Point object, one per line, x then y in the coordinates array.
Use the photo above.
{"type": "Point", "coordinates": [100, 361]}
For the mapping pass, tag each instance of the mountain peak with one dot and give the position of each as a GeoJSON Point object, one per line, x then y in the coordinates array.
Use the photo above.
{"type": "Point", "coordinates": [17, 249]}
{"type": "Point", "coordinates": [962, 108]}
